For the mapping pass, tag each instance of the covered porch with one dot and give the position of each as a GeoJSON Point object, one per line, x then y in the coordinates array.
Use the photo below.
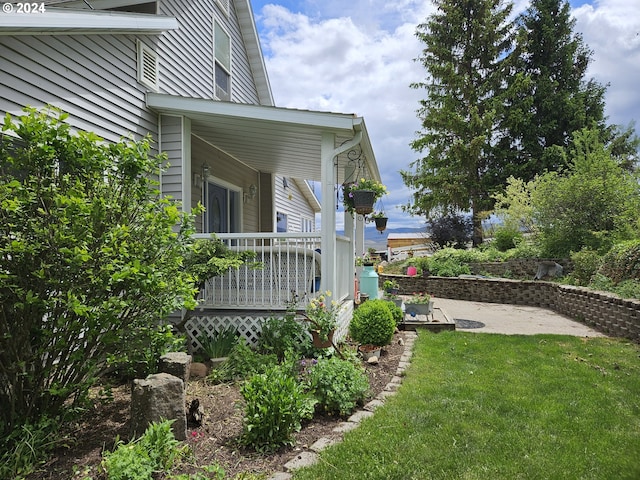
{"type": "Point", "coordinates": [329, 148]}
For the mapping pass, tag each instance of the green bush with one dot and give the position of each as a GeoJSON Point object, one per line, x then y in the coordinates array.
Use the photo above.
{"type": "Point", "coordinates": [338, 385]}
{"type": "Point", "coordinates": [144, 359]}
{"type": "Point", "coordinates": [506, 238]}
{"type": "Point", "coordinates": [622, 262]}
{"type": "Point", "coordinates": [276, 404]}
{"type": "Point", "coordinates": [625, 289]}
{"type": "Point", "coordinates": [243, 361]}
{"type": "Point", "coordinates": [585, 264]}
{"type": "Point", "coordinates": [396, 313]}
{"type": "Point", "coordinates": [280, 335]}
{"type": "Point", "coordinates": [155, 451]}
{"type": "Point", "coordinates": [372, 323]}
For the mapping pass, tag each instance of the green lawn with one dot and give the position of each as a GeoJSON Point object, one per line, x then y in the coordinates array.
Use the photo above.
{"type": "Point", "coordinates": [483, 406]}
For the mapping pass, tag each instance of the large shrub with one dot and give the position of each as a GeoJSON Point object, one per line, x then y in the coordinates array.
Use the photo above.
{"type": "Point", "coordinates": [372, 323]}
{"type": "Point", "coordinates": [91, 258]}
{"type": "Point", "coordinates": [622, 262]}
{"type": "Point", "coordinates": [452, 230]}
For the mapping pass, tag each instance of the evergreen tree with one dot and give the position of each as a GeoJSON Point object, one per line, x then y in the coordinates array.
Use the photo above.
{"type": "Point", "coordinates": [465, 56]}
{"type": "Point", "coordinates": [549, 98]}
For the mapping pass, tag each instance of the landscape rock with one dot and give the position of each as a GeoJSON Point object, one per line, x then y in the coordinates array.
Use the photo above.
{"type": "Point", "coordinates": [176, 364]}
{"type": "Point", "coordinates": [156, 398]}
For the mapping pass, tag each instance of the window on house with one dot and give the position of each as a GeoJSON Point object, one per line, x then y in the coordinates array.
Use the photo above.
{"type": "Point", "coordinates": [281, 219]}
{"type": "Point", "coordinates": [222, 203]}
{"type": "Point", "coordinates": [307, 224]}
{"type": "Point", "coordinates": [222, 63]}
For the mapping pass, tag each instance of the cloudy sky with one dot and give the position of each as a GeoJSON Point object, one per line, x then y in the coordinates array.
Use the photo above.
{"type": "Point", "coordinates": [358, 57]}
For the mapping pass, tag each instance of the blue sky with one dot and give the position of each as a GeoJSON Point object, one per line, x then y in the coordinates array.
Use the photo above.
{"type": "Point", "coordinates": [357, 57]}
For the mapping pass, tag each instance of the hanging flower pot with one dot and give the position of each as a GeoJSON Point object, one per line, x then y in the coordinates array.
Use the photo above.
{"type": "Point", "coordinates": [381, 223]}
{"type": "Point", "coordinates": [363, 201]}
{"type": "Point", "coordinates": [359, 197]}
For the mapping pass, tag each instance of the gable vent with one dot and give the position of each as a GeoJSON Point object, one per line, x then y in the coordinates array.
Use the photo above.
{"type": "Point", "coordinates": [147, 67]}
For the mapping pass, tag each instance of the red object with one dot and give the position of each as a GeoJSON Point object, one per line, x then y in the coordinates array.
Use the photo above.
{"type": "Point", "coordinates": [411, 271]}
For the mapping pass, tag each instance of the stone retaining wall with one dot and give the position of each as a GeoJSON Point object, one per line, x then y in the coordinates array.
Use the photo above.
{"type": "Point", "coordinates": [605, 312]}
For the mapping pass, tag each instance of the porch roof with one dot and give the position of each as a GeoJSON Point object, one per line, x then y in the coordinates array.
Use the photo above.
{"type": "Point", "coordinates": [270, 139]}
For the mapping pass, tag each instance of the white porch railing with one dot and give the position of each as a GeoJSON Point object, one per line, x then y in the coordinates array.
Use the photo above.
{"type": "Point", "coordinates": [291, 265]}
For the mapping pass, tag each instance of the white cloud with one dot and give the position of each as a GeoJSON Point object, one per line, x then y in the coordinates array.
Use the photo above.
{"type": "Point", "coordinates": [358, 57]}
{"type": "Point", "coordinates": [611, 28]}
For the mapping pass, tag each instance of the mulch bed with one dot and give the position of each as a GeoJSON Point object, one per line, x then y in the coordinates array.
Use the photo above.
{"type": "Point", "coordinates": [216, 441]}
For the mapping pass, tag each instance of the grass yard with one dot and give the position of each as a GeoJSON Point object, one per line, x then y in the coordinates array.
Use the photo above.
{"type": "Point", "coordinates": [485, 406]}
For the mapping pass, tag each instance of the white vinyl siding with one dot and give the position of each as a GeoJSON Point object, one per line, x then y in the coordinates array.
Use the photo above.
{"type": "Point", "coordinates": [92, 77]}
{"type": "Point", "coordinates": [187, 54]}
{"type": "Point", "coordinates": [171, 143]}
{"type": "Point", "coordinates": [291, 202]}
{"type": "Point", "coordinates": [229, 171]}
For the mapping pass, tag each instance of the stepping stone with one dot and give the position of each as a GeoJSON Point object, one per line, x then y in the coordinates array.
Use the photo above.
{"type": "Point", "coordinates": [345, 427]}
{"type": "Point", "coordinates": [280, 476]}
{"type": "Point", "coordinates": [373, 404]}
{"type": "Point", "coordinates": [359, 416]}
{"type": "Point", "coordinates": [323, 443]}
{"type": "Point", "coordinates": [303, 459]}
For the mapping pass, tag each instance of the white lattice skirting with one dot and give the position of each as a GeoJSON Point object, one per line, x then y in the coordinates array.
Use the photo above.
{"type": "Point", "coordinates": [249, 324]}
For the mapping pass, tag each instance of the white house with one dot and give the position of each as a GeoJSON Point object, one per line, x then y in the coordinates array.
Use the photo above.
{"type": "Point", "coordinates": [191, 73]}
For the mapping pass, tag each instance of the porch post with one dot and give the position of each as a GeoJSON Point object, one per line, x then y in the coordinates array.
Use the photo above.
{"type": "Point", "coordinates": [328, 178]}
{"type": "Point", "coordinates": [359, 235]}
{"type": "Point", "coordinates": [349, 232]}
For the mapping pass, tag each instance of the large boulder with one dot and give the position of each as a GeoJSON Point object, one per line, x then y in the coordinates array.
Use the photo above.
{"type": "Point", "coordinates": [156, 398]}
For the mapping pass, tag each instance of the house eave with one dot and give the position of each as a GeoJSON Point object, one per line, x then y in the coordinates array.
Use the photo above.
{"type": "Point", "coordinates": [276, 140]}
{"type": "Point", "coordinates": [61, 21]}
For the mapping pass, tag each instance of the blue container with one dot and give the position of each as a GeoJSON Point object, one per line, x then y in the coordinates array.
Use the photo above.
{"type": "Point", "coordinates": [369, 282]}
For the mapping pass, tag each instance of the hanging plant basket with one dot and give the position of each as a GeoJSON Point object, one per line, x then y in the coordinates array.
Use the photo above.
{"type": "Point", "coordinates": [381, 223]}
{"type": "Point", "coordinates": [363, 201]}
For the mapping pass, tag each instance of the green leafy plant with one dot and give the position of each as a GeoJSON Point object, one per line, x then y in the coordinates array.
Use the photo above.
{"type": "Point", "coordinates": [585, 264]}
{"type": "Point", "coordinates": [372, 323]}
{"type": "Point", "coordinates": [243, 361]}
{"type": "Point", "coordinates": [155, 451]}
{"type": "Point", "coordinates": [282, 334]}
{"type": "Point", "coordinates": [377, 215]}
{"type": "Point", "coordinates": [396, 313]}
{"type": "Point", "coordinates": [27, 446]}
{"type": "Point", "coordinates": [91, 256]}
{"type": "Point", "coordinates": [338, 385]}
{"type": "Point", "coordinates": [419, 298]}
{"type": "Point", "coordinates": [220, 344]}
{"type": "Point", "coordinates": [142, 361]}
{"type": "Point", "coordinates": [276, 404]}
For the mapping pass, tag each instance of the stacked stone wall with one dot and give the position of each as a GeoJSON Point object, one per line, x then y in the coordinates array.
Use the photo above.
{"type": "Point", "coordinates": [605, 312]}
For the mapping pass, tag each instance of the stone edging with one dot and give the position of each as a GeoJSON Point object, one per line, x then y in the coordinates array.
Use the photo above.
{"type": "Point", "coordinates": [311, 455]}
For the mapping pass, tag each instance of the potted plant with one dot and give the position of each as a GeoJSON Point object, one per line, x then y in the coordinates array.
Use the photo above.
{"type": "Point", "coordinates": [372, 326]}
{"type": "Point", "coordinates": [419, 304]}
{"type": "Point", "coordinates": [380, 219]}
{"type": "Point", "coordinates": [360, 196]}
{"type": "Point", "coordinates": [391, 287]}
{"type": "Point", "coordinates": [321, 315]}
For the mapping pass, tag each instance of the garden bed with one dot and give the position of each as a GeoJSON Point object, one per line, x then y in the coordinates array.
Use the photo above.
{"type": "Point", "coordinates": [214, 442]}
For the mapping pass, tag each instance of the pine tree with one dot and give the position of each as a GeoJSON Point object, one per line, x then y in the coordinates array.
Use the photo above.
{"type": "Point", "coordinates": [549, 96]}
{"type": "Point", "coordinates": [465, 56]}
